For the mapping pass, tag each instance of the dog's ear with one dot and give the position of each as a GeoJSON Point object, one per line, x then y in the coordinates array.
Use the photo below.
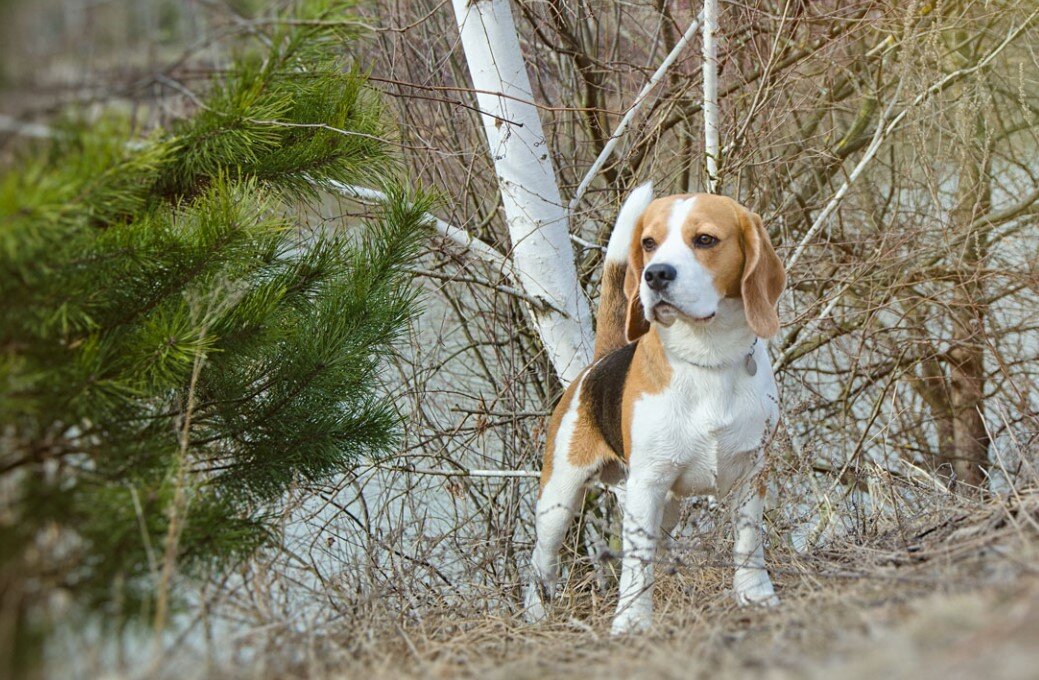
{"type": "Point", "coordinates": [635, 323]}
{"type": "Point", "coordinates": [763, 276]}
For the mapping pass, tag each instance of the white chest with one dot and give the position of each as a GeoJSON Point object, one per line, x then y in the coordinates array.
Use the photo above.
{"type": "Point", "coordinates": [706, 429]}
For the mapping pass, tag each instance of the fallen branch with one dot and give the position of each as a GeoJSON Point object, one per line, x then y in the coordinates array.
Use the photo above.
{"type": "Point", "coordinates": [463, 472]}
{"type": "Point", "coordinates": [539, 303]}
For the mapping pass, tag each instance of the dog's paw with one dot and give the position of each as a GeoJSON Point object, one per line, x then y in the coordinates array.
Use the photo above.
{"type": "Point", "coordinates": [754, 590]}
{"type": "Point", "coordinates": [534, 603]}
{"type": "Point", "coordinates": [753, 599]}
{"type": "Point", "coordinates": [631, 621]}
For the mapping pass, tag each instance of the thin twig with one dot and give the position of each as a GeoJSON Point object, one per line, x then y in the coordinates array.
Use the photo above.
{"type": "Point", "coordinates": [622, 126]}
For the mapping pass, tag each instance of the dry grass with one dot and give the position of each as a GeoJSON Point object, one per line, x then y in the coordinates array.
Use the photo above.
{"type": "Point", "coordinates": [950, 595]}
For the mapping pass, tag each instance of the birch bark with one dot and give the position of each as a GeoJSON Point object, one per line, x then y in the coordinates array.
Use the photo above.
{"type": "Point", "coordinates": [534, 210]}
{"type": "Point", "coordinates": [711, 136]}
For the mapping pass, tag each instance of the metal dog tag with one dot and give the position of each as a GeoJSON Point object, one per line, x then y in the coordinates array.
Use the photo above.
{"type": "Point", "coordinates": [750, 365]}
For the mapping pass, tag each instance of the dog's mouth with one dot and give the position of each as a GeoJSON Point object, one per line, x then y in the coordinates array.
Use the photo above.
{"type": "Point", "coordinates": [666, 314]}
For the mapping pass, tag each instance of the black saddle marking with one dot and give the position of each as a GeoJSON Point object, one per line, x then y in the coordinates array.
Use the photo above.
{"type": "Point", "coordinates": [604, 390]}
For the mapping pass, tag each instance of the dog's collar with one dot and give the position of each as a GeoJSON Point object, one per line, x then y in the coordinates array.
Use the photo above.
{"type": "Point", "coordinates": [749, 364]}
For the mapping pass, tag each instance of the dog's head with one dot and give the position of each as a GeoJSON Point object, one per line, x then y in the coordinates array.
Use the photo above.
{"type": "Point", "coordinates": [689, 252]}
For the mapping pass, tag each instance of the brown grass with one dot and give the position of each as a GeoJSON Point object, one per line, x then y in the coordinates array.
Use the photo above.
{"type": "Point", "coordinates": [950, 595]}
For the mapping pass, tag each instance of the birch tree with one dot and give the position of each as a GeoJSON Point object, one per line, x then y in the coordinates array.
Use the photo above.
{"type": "Point", "coordinates": [534, 210]}
{"type": "Point", "coordinates": [712, 143]}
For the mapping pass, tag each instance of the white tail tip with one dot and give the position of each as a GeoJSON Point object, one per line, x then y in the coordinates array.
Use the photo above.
{"type": "Point", "coordinates": [634, 205]}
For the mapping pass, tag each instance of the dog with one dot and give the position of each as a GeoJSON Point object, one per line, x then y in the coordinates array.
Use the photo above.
{"type": "Point", "coordinates": [681, 396]}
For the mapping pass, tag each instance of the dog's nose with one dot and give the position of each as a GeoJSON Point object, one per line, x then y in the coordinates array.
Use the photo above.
{"type": "Point", "coordinates": [659, 275]}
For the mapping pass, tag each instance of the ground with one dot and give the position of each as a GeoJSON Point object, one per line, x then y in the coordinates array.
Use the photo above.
{"type": "Point", "coordinates": [951, 593]}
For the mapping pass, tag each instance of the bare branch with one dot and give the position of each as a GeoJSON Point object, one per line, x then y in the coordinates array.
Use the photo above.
{"type": "Point", "coordinates": [622, 127]}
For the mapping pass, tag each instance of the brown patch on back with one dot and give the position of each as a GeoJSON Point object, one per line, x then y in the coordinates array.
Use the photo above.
{"type": "Point", "coordinates": [649, 372]}
{"type": "Point", "coordinates": [587, 446]}
{"type": "Point", "coordinates": [603, 392]}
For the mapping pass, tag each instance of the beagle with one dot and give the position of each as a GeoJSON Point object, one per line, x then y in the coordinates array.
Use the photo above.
{"type": "Point", "coordinates": [681, 395]}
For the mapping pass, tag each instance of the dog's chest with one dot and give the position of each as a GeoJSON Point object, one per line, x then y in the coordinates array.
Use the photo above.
{"type": "Point", "coordinates": [707, 429]}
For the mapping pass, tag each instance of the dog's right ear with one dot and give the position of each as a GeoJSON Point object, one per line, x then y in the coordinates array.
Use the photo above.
{"type": "Point", "coordinates": [635, 324]}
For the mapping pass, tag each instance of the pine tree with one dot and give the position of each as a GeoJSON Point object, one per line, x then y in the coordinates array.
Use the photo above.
{"type": "Point", "coordinates": [176, 347]}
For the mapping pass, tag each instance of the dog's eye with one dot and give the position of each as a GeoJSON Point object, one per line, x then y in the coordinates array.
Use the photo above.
{"type": "Point", "coordinates": [704, 241]}
{"type": "Point", "coordinates": [648, 244]}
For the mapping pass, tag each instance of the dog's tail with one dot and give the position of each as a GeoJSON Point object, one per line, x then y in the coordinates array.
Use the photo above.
{"type": "Point", "coordinates": [610, 320]}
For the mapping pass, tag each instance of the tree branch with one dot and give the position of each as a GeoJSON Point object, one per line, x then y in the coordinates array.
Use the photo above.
{"type": "Point", "coordinates": [884, 131]}
{"type": "Point", "coordinates": [622, 126]}
{"type": "Point", "coordinates": [455, 235]}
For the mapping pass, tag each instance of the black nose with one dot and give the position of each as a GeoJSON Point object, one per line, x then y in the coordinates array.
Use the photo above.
{"type": "Point", "coordinates": [659, 275]}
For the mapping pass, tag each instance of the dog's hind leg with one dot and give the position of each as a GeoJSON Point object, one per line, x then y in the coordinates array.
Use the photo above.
{"type": "Point", "coordinates": [556, 506]}
{"type": "Point", "coordinates": [562, 487]}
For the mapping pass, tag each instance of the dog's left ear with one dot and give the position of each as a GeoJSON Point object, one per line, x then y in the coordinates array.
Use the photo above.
{"type": "Point", "coordinates": [763, 276]}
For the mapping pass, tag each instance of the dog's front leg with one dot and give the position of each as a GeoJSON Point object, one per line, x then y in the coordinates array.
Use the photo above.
{"type": "Point", "coordinates": [751, 583]}
{"type": "Point", "coordinates": [643, 511]}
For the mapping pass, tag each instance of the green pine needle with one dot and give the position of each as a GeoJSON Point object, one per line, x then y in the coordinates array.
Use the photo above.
{"type": "Point", "coordinates": [132, 269]}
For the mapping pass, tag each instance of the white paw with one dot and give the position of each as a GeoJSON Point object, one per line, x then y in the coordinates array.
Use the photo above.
{"type": "Point", "coordinates": [534, 610]}
{"type": "Point", "coordinates": [631, 621]}
{"type": "Point", "coordinates": [754, 589]}
{"type": "Point", "coordinates": [757, 599]}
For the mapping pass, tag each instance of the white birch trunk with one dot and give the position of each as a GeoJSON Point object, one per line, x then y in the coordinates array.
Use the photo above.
{"type": "Point", "coordinates": [534, 210]}
{"type": "Point", "coordinates": [712, 144]}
